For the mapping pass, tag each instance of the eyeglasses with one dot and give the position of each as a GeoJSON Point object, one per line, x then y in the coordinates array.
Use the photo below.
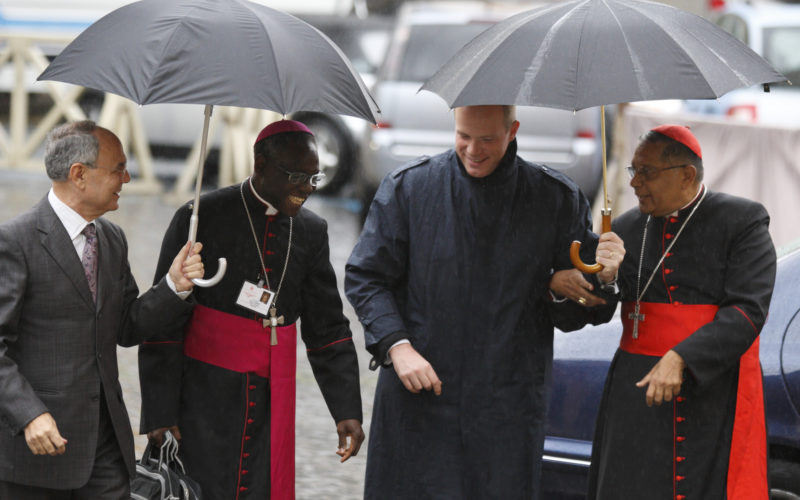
{"type": "Point", "coordinates": [302, 178]}
{"type": "Point", "coordinates": [649, 173]}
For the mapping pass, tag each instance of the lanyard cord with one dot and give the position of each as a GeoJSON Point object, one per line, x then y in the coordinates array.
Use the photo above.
{"type": "Point", "coordinates": [641, 256]}
{"type": "Point", "coordinates": [258, 247]}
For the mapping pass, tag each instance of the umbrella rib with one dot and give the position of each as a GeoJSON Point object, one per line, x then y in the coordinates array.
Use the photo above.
{"type": "Point", "coordinates": [536, 63]}
{"type": "Point", "coordinates": [644, 87]}
{"type": "Point", "coordinates": [164, 51]}
{"type": "Point", "coordinates": [272, 49]}
{"type": "Point", "coordinates": [683, 50]}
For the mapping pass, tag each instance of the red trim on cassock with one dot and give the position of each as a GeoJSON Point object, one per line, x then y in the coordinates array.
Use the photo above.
{"type": "Point", "coordinates": [332, 343]}
{"type": "Point", "coordinates": [665, 326]}
{"type": "Point", "coordinates": [243, 345]}
{"type": "Point", "coordinates": [244, 435]}
{"type": "Point", "coordinates": [746, 317]}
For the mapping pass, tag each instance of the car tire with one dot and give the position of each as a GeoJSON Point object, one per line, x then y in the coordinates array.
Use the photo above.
{"type": "Point", "coordinates": [784, 480]}
{"type": "Point", "coordinates": [335, 148]}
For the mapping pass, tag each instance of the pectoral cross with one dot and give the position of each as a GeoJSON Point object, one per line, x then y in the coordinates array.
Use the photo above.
{"type": "Point", "coordinates": [636, 317]}
{"type": "Point", "coordinates": [273, 321]}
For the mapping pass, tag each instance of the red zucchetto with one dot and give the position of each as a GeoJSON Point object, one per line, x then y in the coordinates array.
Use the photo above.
{"type": "Point", "coordinates": [681, 134]}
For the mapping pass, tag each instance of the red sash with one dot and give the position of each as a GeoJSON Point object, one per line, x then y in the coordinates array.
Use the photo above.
{"type": "Point", "coordinates": [666, 325]}
{"type": "Point", "coordinates": [242, 345]}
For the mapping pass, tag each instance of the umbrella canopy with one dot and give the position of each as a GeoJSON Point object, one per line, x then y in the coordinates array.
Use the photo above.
{"type": "Point", "coordinates": [583, 53]}
{"type": "Point", "coordinates": [214, 52]}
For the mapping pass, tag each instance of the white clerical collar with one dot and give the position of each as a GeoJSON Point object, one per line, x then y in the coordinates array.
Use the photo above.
{"type": "Point", "coordinates": [696, 196]}
{"type": "Point", "coordinates": [70, 219]}
{"type": "Point", "coordinates": [270, 209]}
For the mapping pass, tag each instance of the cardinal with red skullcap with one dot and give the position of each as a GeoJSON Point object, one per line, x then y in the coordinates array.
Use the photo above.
{"type": "Point", "coordinates": [226, 384]}
{"type": "Point", "coordinates": [682, 415]}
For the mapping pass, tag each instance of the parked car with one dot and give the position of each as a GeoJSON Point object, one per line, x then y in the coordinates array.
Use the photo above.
{"type": "Point", "coordinates": [425, 36]}
{"type": "Point", "coordinates": [773, 31]}
{"type": "Point", "coordinates": [581, 361]}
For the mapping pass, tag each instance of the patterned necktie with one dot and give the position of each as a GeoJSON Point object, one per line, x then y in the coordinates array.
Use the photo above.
{"type": "Point", "coordinates": [89, 259]}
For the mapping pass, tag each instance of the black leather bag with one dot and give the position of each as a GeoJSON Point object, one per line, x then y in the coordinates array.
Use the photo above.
{"type": "Point", "coordinates": [163, 477]}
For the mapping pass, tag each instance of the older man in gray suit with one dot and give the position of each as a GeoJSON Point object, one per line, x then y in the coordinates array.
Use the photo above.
{"type": "Point", "coordinates": [67, 298]}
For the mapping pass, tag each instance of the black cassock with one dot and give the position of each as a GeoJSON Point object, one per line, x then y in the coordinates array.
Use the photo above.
{"type": "Point", "coordinates": [224, 415]}
{"type": "Point", "coordinates": [461, 265]}
{"type": "Point", "coordinates": [723, 258]}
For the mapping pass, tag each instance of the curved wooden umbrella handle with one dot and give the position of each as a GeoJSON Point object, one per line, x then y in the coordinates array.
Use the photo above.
{"type": "Point", "coordinates": [575, 247]}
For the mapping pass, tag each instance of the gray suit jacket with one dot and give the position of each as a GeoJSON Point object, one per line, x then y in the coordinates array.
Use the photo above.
{"type": "Point", "coordinates": [58, 349]}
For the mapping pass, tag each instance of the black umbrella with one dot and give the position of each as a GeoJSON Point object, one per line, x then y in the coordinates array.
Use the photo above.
{"type": "Point", "coordinates": [583, 53]}
{"type": "Point", "coordinates": [213, 52]}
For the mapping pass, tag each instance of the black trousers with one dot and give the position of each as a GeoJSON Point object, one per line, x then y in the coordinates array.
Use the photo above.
{"type": "Point", "coordinates": [109, 479]}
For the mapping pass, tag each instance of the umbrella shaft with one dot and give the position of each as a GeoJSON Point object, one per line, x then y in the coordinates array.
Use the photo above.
{"type": "Point", "coordinates": [199, 182]}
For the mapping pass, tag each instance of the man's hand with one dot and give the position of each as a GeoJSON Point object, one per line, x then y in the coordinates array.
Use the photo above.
{"type": "Point", "coordinates": [414, 371]}
{"type": "Point", "coordinates": [156, 436]}
{"type": "Point", "coordinates": [610, 252]}
{"type": "Point", "coordinates": [187, 266]}
{"type": "Point", "coordinates": [571, 284]}
{"type": "Point", "coordinates": [664, 380]}
{"type": "Point", "coordinates": [43, 437]}
{"type": "Point", "coordinates": [350, 428]}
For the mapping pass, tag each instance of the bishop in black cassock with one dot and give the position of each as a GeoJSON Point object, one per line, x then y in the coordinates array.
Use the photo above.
{"type": "Point", "coordinates": [226, 384]}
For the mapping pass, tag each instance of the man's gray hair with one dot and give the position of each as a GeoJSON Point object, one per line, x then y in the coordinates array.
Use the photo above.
{"type": "Point", "coordinates": [68, 144]}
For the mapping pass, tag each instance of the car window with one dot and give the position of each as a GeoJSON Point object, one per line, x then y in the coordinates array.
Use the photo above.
{"type": "Point", "coordinates": [781, 49]}
{"type": "Point", "coordinates": [429, 46]}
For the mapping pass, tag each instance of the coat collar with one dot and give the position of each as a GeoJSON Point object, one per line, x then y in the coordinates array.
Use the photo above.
{"type": "Point", "coordinates": [55, 240]}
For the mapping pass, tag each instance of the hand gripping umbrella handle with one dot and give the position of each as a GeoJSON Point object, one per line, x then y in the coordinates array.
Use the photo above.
{"type": "Point", "coordinates": [193, 220]}
{"type": "Point", "coordinates": [222, 263]}
{"type": "Point", "coordinates": [575, 247]}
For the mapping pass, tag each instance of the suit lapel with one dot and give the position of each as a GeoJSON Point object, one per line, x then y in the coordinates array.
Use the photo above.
{"type": "Point", "coordinates": [56, 242]}
{"type": "Point", "coordinates": [107, 256]}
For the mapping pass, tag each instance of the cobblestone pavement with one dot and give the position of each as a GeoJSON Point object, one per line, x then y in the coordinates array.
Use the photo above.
{"type": "Point", "coordinates": [144, 219]}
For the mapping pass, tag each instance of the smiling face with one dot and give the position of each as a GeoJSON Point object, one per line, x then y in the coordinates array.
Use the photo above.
{"type": "Point", "coordinates": [294, 154]}
{"type": "Point", "coordinates": [664, 191]}
{"type": "Point", "coordinates": [482, 137]}
{"type": "Point", "coordinates": [102, 182]}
